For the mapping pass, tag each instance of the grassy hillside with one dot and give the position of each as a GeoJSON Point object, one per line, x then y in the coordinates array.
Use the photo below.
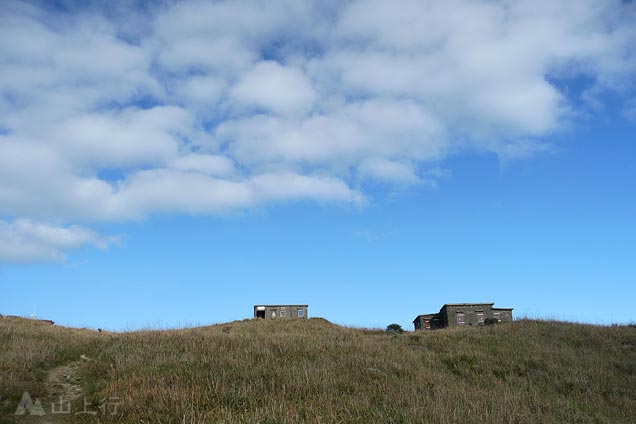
{"type": "Point", "coordinates": [314, 371]}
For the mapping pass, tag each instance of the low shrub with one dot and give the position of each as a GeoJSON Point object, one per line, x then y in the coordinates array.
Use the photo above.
{"type": "Point", "coordinates": [491, 321]}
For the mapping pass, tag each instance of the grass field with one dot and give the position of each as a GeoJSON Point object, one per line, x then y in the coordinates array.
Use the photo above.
{"type": "Point", "coordinates": [314, 371]}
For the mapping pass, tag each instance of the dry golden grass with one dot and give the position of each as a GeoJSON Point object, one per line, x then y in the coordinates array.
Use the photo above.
{"type": "Point", "coordinates": [314, 371]}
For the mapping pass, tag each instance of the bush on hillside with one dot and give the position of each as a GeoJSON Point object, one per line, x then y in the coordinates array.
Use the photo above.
{"type": "Point", "coordinates": [394, 329]}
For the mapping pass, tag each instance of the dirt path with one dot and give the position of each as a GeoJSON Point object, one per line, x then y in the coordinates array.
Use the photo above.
{"type": "Point", "coordinates": [63, 394]}
{"type": "Point", "coordinates": [62, 382]}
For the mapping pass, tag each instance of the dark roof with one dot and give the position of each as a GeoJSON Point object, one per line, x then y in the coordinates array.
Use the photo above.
{"type": "Point", "coordinates": [467, 304]}
{"type": "Point", "coordinates": [425, 316]}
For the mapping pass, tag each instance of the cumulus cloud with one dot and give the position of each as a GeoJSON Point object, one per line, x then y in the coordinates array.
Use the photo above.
{"type": "Point", "coordinates": [25, 240]}
{"type": "Point", "coordinates": [163, 190]}
{"type": "Point", "coordinates": [346, 135]}
{"type": "Point", "coordinates": [123, 139]}
{"type": "Point", "coordinates": [200, 93]}
{"type": "Point", "coordinates": [276, 88]}
{"type": "Point", "coordinates": [216, 165]}
{"type": "Point", "coordinates": [389, 171]}
{"type": "Point", "coordinates": [115, 113]}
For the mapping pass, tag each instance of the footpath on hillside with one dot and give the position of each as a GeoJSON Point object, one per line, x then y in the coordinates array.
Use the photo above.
{"type": "Point", "coordinates": [64, 397]}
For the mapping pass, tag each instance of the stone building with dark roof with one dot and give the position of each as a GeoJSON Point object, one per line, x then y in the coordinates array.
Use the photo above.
{"type": "Point", "coordinates": [280, 311]}
{"type": "Point", "coordinates": [459, 314]}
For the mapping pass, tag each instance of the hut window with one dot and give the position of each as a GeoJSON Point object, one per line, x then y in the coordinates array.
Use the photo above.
{"type": "Point", "coordinates": [301, 313]}
{"type": "Point", "coordinates": [460, 318]}
{"type": "Point", "coordinates": [480, 317]}
{"type": "Point", "coordinates": [283, 313]}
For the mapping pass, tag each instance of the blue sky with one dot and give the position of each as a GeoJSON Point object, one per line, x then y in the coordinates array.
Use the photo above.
{"type": "Point", "coordinates": [174, 164]}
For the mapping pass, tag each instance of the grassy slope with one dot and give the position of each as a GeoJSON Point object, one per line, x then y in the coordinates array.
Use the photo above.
{"type": "Point", "coordinates": [313, 371]}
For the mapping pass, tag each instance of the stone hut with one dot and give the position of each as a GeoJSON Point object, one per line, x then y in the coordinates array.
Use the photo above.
{"type": "Point", "coordinates": [280, 311]}
{"type": "Point", "coordinates": [458, 314]}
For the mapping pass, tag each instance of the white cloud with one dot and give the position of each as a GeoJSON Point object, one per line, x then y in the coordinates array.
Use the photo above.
{"type": "Point", "coordinates": [344, 135]}
{"type": "Point", "coordinates": [125, 138]}
{"type": "Point", "coordinates": [280, 89]}
{"type": "Point", "coordinates": [176, 191]}
{"type": "Point", "coordinates": [163, 190]}
{"type": "Point", "coordinates": [114, 113]}
{"type": "Point", "coordinates": [202, 93]}
{"type": "Point", "coordinates": [55, 66]}
{"type": "Point", "coordinates": [222, 55]}
{"type": "Point", "coordinates": [215, 165]}
{"type": "Point", "coordinates": [388, 171]}
{"type": "Point", "coordinates": [289, 186]}
{"type": "Point", "coordinates": [521, 149]}
{"type": "Point", "coordinates": [24, 240]}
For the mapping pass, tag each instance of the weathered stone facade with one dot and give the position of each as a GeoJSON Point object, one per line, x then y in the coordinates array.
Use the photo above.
{"type": "Point", "coordinates": [458, 314]}
{"type": "Point", "coordinates": [280, 311]}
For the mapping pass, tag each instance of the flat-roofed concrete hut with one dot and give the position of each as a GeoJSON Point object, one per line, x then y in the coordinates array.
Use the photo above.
{"type": "Point", "coordinates": [458, 314]}
{"type": "Point", "coordinates": [280, 311]}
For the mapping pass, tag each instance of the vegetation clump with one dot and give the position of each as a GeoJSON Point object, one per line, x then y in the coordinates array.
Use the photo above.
{"type": "Point", "coordinates": [491, 321]}
{"type": "Point", "coordinates": [394, 329]}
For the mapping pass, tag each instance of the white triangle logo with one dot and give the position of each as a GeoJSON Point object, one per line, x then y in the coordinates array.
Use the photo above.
{"type": "Point", "coordinates": [26, 404]}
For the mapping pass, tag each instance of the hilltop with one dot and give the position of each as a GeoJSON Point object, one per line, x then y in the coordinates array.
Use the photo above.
{"type": "Point", "coordinates": [314, 371]}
